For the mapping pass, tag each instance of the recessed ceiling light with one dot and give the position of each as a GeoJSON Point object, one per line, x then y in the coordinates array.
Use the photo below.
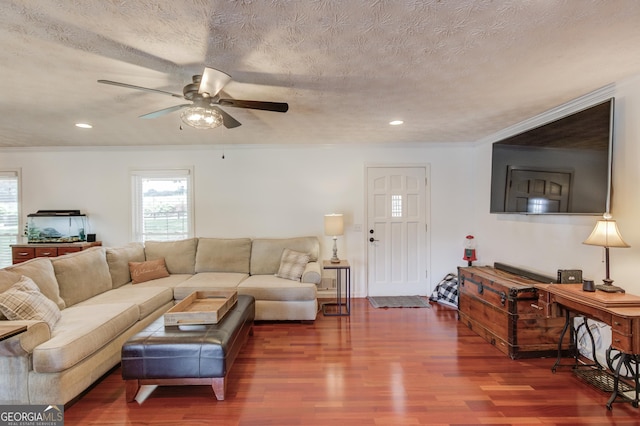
{"type": "Point", "coordinates": [396, 122]}
{"type": "Point", "coordinates": [84, 125]}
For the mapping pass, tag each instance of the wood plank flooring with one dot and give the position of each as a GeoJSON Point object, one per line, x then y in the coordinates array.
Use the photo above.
{"type": "Point", "coordinates": [376, 367]}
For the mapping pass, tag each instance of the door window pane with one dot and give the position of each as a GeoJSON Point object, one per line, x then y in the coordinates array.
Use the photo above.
{"type": "Point", "coordinates": [396, 206]}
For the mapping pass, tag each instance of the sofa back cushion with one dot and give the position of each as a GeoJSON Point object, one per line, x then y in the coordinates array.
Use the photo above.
{"type": "Point", "coordinates": [118, 259]}
{"type": "Point", "coordinates": [82, 275]}
{"type": "Point", "coordinates": [267, 252]}
{"type": "Point", "coordinates": [40, 270]}
{"type": "Point", "coordinates": [180, 255]}
{"type": "Point", "coordinates": [223, 255]}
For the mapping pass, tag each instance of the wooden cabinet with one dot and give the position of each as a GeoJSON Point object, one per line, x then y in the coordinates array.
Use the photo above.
{"type": "Point", "coordinates": [23, 252]}
{"type": "Point", "coordinates": [46, 251]}
{"type": "Point", "coordinates": [509, 312]}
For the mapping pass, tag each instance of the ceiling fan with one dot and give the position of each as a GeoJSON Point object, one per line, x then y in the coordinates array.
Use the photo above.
{"type": "Point", "coordinates": [204, 111]}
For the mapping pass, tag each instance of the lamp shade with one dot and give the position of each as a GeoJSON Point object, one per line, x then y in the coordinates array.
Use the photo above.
{"type": "Point", "coordinates": [333, 224]}
{"type": "Point", "coordinates": [606, 234]}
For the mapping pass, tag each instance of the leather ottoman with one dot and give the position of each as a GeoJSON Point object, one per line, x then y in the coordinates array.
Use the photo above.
{"type": "Point", "coordinates": [187, 354]}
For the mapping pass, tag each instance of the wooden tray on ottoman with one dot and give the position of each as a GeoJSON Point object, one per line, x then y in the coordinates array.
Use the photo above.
{"type": "Point", "coordinates": [201, 307]}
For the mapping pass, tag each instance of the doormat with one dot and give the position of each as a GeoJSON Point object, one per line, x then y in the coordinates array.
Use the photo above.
{"type": "Point", "coordinates": [398, 302]}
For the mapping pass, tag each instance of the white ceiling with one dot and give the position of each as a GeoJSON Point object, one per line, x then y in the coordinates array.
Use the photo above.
{"type": "Point", "coordinates": [454, 71]}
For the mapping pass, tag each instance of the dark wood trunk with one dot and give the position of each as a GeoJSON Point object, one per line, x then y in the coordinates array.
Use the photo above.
{"type": "Point", "coordinates": [509, 312]}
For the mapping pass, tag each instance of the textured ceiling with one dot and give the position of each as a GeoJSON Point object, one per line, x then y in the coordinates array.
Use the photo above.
{"type": "Point", "coordinates": [454, 71]}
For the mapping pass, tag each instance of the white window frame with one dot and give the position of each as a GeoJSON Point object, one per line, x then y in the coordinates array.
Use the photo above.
{"type": "Point", "coordinates": [137, 178]}
{"type": "Point", "coordinates": [11, 238]}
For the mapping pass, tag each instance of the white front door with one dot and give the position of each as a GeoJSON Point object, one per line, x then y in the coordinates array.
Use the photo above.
{"type": "Point", "coordinates": [396, 231]}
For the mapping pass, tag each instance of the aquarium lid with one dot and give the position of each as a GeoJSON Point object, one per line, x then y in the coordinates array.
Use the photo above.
{"type": "Point", "coordinates": [56, 213]}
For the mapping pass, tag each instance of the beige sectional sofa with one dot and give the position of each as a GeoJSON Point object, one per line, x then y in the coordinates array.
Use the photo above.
{"type": "Point", "coordinates": [92, 307]}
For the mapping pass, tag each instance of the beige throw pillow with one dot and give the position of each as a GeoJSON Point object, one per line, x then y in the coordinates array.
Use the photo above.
{"type": "Point", "coordinates": [147, 271]}
{"type": "Point", "coordinates": [24, 301]}
{"type": "Point", "coordinates": [41, 271]}
{"type": "Point", "coordinates": [292, 264]}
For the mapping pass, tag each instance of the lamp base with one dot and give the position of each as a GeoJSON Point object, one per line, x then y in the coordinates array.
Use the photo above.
{"type": "Point", "coordinates": [334, 258]}
{"type": "Point", "coordinates": [608, 287]}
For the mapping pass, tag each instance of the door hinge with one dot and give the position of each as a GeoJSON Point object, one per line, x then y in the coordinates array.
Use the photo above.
{"type": "Point", "coordinates": [426, 273]}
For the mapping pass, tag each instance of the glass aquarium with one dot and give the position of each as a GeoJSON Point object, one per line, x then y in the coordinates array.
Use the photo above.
{"type": "Point", "coordinates": [56, 226]}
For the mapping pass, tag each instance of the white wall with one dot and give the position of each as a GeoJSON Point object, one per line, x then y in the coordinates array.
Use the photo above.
{"type": "Point", "coordinates": [545, 244]}
{"type": "Point", "coordinates": [256, 191]}
{"type": "Point", "coordinates": [285, 191]}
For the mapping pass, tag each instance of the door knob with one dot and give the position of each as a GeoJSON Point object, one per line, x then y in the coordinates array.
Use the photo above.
{"type": "Point", "coordinates": [372, 239]}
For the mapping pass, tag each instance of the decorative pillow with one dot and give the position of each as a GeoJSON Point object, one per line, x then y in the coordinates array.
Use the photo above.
{"type": "Point", "coordinates": [147, 271]}
{"type": "Point", "coordinates": [292, 264]}
{"type": "Point", "coordinates": [41, 271]}
{"type": "Point", "coordinates": [24, 301]}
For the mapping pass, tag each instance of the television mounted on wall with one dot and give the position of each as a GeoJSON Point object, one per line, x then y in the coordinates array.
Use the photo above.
{"type": "Point", "coordinates": [561, 167]}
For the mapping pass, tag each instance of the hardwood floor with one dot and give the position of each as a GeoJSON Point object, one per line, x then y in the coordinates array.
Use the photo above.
{"type": "Point", "coordinates": [376, 367]}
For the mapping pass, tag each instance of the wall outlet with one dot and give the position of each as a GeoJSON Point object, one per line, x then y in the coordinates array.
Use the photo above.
{"type": "Point", "coordinates": [357, 227]}
{"type": "Point", "coordinates": [327, 283]}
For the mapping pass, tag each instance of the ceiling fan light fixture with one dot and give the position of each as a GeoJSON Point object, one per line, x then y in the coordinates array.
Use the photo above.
{"type": "Point", "coordinates": [201, 118]}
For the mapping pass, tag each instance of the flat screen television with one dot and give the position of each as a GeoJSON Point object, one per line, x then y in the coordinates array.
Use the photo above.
{"type": "Point", "coordinates": [561, 167]}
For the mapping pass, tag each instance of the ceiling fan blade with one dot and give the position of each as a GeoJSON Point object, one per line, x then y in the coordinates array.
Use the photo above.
{"type": "Point", "coordinates": [213, 81]}
{"type": "Point", "coordinates": [228, 121]}
{"type": "Point", "coordinates": [146, 89]}
{"type": "Point", "coordinates": [164, 111]}
{"type": "Point", "coordinates": [265, 106]}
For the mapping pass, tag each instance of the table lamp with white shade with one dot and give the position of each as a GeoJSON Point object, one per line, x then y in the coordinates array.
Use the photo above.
{"type": "Point", "coordinates": [606, 234]}
{"type": "Point", "coordinates": [334, 227]}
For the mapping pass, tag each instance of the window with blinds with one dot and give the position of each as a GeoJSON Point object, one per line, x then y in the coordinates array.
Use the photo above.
{"type": "Point", "coordinates": [162, 205]}
{"type": "Point", "coordinates": [9, 213]}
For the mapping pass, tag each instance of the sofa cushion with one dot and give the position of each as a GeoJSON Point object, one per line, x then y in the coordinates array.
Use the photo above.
{"type": "Point", "coordinates": [266, 252]}
{"type": "Point", "coordinates": [223, 255]}
{"type": "Point", "coordinates": [24, 301]}
{"type": "Point", "coordinates": [148, 299]}
{"type": "Point", "coordinates": [81, 332]}
{"type": "Point", "coordinates": [180, 255]}
{"type": "Point", "coordinates": [148, 270]}
{"type": "Point", "coordinates": [208, 281]}
{"type": "Point", "coordinates": [270, 287]}
{"type": "Point", "coordinates": [40, 270]}
{"type": "Point", "coordinates": [118, 259]}
{"type": "Point", "coordinates": [82, 275]}
{"type": "Point", "coordinates": [292, 264]}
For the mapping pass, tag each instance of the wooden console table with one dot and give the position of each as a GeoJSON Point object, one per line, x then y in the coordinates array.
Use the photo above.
{"type": "Point", "coordinates": [621, 311]}
{"type": "Point", "coordinates": [24, 252]}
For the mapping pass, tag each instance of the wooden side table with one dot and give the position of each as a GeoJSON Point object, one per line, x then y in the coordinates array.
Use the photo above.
{"type": "Point", "coordinates": [343, 307]}
{"type": "Point", "coordinates": [10, 330]}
